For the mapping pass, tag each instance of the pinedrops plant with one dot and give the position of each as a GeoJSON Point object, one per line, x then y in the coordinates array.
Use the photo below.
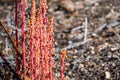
{"type": "Point", "coordinates": [40, 41]}
{"type": "Point", "coordinates": [36, 47]}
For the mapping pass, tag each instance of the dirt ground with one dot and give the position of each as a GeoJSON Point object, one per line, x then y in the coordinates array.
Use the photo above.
{"type": "Point", "coordinates": [90, 32]}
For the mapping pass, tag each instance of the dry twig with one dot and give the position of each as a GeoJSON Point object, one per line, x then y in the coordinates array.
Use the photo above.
{"type": "Point", "coordinates": [4, 27]}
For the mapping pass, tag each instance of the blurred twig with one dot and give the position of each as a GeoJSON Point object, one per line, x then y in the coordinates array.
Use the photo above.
{"type": "Point", "coordinates": [4, 27]}
{"type": "Point", "coordinates": [86, 30]}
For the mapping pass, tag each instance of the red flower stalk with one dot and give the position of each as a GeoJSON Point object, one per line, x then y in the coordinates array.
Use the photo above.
{"type": "Point", "coordinates": [44, 7]}
{"type": "Point", "coordinates": [16, 25]}
{"type": "Point", "coordinates": [32, 18]}
{"type": "Point", "coordinates": [23, 35]}
{"type": "Point", "coordinates": [50, 31]}
{"type": "Point", "coordinates": [16, 21]}
{"type": "Point", "coordinates": [63, 55]}
{"type": "Point", "coordinates": [45, 37]}
{"type": "Point", "coordinates": [36, 52]}
{"type": "Point", "coordinates": [40, 43]}
{"type": "Point", "coordinates": [45, 51]}
{"type": "Point", "coordinates": [41, 40]}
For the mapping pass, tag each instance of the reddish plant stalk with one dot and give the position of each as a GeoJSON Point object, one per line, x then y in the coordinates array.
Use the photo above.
{"type": "Point", "coordinates": [36, 62]}
{"type": "Point", "coordinates": [33, 13]}
{"type": "Point", "coordinates": [36, 53]}
{"type": "Point", "coordinates": [16, 25]}
{"type": "Point", "coordinates": [44, 6]}
{"type": "Point", "coordinates": [63, 54]}
{"type": "Point", "coordinates": [31, 57]}
{"type": "Point", "coordinates": [37, 50]}
{"type": "Point", "coordinates": [41, 41]}
{"type": "Point", "coordinates": [41, 54]}
{"type": "Point", "coordinates": [16, 21]}
{"type": "Point", "coordinates": [50, 47]}
{"type": "Point", "coordinates": [45, 51]}
{"type": "Point", "coordinates": [23, 35]}
{"type": "Point", "coordinates": [35, 42]}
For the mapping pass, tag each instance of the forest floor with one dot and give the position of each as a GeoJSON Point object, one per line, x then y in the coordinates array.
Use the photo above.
{"type": "Point", "coordinates": [94, 57]}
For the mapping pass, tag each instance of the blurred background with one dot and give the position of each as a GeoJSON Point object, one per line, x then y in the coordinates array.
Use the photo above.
{"type": "Point", "coordinates": [88, 29]}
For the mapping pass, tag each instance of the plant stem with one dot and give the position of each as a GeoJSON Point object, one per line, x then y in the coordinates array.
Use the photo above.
{"type": "Point", "coordinates": [23, 35]}
{"type": "Point", "coordinates": [16, 21]}
{"type": "Point", "coordinates": [16, 34]}
{"type": "Point", "coordinates": [50, 47]}
{"type": "Point", "coordinates": [32, 52]}
{"type": "Point", "coordinates": [63, 54]}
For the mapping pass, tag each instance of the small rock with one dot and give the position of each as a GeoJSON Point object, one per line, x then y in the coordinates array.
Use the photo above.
{"type": "Point", "coordinates": [68, 5]}
{"type": "Point", "coordinates": [114, 49]}
{"type": "Point", "coordinates": [103, 64]}
{"type": "Point", "coordinates": [75, 57]}
{"type": "Point", "coordinates": [79, 5]}
{"type": "Point", "coordinates": [107, 75]}
{"type": "Point", "coordinates": [70, 73]}
{"type": "Point", "coordinates": [97, 4]}
{"type": "Point", "coordinates": [67, 64]}
{"type": "Point", "coordinates": [115, 56]}
{"type": "Point", "coordinates": [92, 52]}
{"type": "Point", "coordinates": [75, 51]}
{"type": "Point", "coordinates": [9, 7]}
{"type": "Point", "coordinates": [107, 7]}
{"type": "Point", "coordinates": [81, 65]}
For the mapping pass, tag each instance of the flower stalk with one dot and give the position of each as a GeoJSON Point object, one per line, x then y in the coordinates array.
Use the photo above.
{"type": "Point", "coordinates": [32, 18]}
{"type": "Point", "coordinates": [50, 31]}
{"type": "Point", "coordinates": [16, 35]}
{"type": "Point", "coordinates": [23, 35]}
{"type": "Point", "coordinates": [63, 55]}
